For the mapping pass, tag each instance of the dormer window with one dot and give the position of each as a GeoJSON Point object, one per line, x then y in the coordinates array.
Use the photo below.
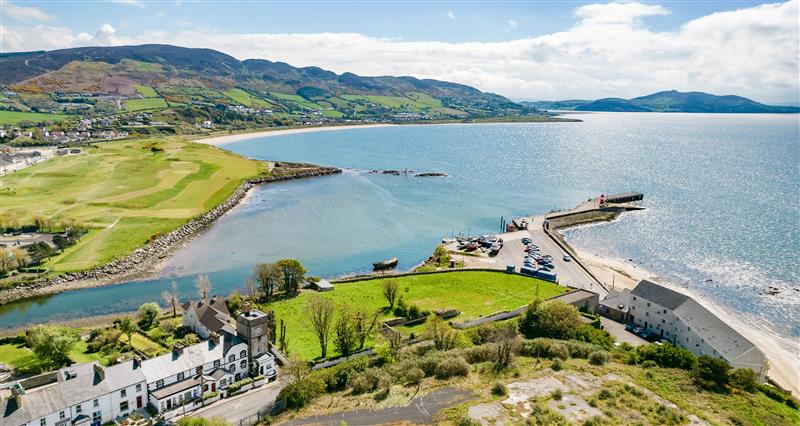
{"type": "Point", "coordinates": [243, 354]}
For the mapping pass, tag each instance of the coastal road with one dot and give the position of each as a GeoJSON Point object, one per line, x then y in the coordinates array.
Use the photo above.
{"type": "Point", "coordinates": [242, 408]}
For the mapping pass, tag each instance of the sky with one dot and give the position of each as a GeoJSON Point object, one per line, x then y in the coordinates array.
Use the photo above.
{"type": "Point", "coordinates": [525, 50]}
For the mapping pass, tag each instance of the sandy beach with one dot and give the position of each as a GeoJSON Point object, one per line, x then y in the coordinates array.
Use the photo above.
{"type": "Point", "coordinates": [226, 139]}
{"type": "Point", "coordinates": [783, 354]}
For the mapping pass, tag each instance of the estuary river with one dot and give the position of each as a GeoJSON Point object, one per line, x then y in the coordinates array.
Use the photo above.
{"type": "Point", "coordinates": [721, 192]}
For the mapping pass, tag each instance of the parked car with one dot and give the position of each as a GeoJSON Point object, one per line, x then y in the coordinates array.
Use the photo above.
{"type": "Point", "coordinates": [630, 326]}
{"type": "Point", "coordinates": [567, 258]}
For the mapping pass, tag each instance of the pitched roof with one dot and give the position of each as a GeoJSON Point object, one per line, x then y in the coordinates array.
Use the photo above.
{"type": "Point", "coordinates": [214, 314]}
{"type": "Point", "coordinates": [719, 335]}
{"type": "Point", "coordinates": [618, 300]}
{"type": "Point", "coordinates": [655, 293]}
{"type": "Point", "coordinates": [86, 383]}
{"type": "Point", "coordinates": [188, 358]}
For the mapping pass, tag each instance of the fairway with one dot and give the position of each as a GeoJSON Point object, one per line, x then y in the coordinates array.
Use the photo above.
{"type": "Point", "coordinates": [474, 293]}
{"type": "Point", "coordinates": [125, 193]}
{"type": "Point", "coordinates": [14, 117]}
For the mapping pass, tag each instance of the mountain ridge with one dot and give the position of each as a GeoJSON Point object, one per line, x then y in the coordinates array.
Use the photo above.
{"type": "Point", "coordinates": [668, 101]}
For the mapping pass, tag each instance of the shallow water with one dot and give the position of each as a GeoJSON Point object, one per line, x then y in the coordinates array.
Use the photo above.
{"type": "Point", "coordinates": [721, 192]}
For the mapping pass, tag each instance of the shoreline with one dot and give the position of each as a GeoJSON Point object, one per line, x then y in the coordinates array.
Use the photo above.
{"type": "Point", "coordinates": [782, 353]}
{"type": "Point", "coordinates": [144, 261]}
{"type": "Point", "coordinates": [226, 139]}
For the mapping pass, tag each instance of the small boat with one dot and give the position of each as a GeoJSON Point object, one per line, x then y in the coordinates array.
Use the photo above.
{"type": "Point", "coordinates": [385, 264]}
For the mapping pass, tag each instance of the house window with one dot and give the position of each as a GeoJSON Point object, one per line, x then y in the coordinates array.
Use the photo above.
{"type": "Point", "coordinates": [647, 314]}
{"type": "Point", "coordinates": [663, 321]}
{"type": "Point", "coordinates": [138, 387]}
{"type": "Point", "coordinates": [243, 354]}
{"type": "Point", "coordinates": [243, 364]}
{"type": "Point", "coordinates": [216, 363]}
{"type": "Point", "coordinates": [95, 403]}
{"type": "Point", "coordinates": [43, 422]}
{"type": "Point", "coordinates": [61, 415]}
{"type": "Point", "coordinates": [634, 297]}
{"type": "Point", "coordinates": [123, 393]}
{"type": "Point", "coordinates": [123, 406]}
{"type": "Point", "coordinates": [159, 383]}
{"type": "Point", "coordinates": [180, 376]}
{"type": "Point", "coordinates": [231, 358]}
{"type": "Point", "coordinates": [78, 409]}
{"type": "Point", "coordinates": [97, 417]}
{"type": "Point", "coordinates": [648, 304]}
{"type": "Point", "coordinates": [232, 368]}
{"type": "Point", "coordinates": [199, 370]}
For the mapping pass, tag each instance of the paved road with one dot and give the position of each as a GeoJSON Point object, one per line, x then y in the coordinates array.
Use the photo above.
{"type": "Point", "coordinates": [242, 407]}
{"type": "Point", "coordinates": [420, 411]}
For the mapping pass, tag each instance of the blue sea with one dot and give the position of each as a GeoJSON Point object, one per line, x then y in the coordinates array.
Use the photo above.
{"type": "Point", "coordinates": [721, 193]}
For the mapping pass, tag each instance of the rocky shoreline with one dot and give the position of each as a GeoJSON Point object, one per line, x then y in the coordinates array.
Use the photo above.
{"type": "Point", "coordinates": [142, 260]}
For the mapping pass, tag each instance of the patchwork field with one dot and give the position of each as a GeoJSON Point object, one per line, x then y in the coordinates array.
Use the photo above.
{"type": "Point", "coordinates": [125, 192]}
{"type": "Point", "coordinates": [474, 293]}
{"type": "Point", "coordinates": [247, 99]}
{"type": "Point", "coordinates": [14, 117]}
{"type": "Point", "coordinates": [146, 103]}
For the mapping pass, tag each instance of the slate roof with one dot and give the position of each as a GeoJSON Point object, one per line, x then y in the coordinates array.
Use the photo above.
{"type": "Point", "coordinates": [188, 358]}
{"type": "Point", "coordinates": [615, 299]}
{"type": "Point", "coordinates": [214, 314]}
{"type": "Point", "coordinates": [655, 293]}
{"type": "Point", "coordinates": [720, 336]}
{"type": "Point", "coordinates": [86, 385]}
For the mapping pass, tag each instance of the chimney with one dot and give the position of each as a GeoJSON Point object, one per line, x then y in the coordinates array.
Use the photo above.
{"type": "Point", "coordinates": [216, 338]}
{"type": "Point", "coordinates": [137, 362]}
{"type": "Point", "coordinates": [177, 348]}
{"type": "Point", "coordinates": [246, 308]}
{"type": "Point", "coordinates": [99, 372]}
{"type": "Point", "coordinates": [16, 392]}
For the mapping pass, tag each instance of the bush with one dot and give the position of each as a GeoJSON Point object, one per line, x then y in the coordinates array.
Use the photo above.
{"type": "Point", "coordinates": [554, 319]}
{"type": "Point", "coordinates": [499, 389]}
{"type": "Point", "coordinates": [649, 364]}
{"type": "Point", "coordinates": [555, 348]}
{"type": "Point", "coordinates": [366, 382]}
{"type": "Point", "coordinates": [593, 421]}
{"type": "Point", "coordinates": [556, 365]}
{"type": "Point", "coordinates": [605, 394]}
{"type": "Point", "coordinates": [298, 394]}
{"type": "Point", "coordinates": [711, 373]}
{"type": "Point", "coordinates": [337, 378]}
{"type": "Point", "coordinates": [451, 367]}
{"type": "Point", "coordinates": [414, 376]}
{"type": "Point", "coordinates": [560, 351]}
{"type": "Point", "coordinates": [148, 315]}
{"type": "Point", "coordinates": [557, 395]}
{"type": "Point", "coordinates": [598, 357]}
{"type": "Point", "coordinates": [587, 333]}
{"type": "Point", "coordinates": [667, 356]}
{"type": "Point", "coordinates": [545, 416]}
{"type": "Point", "coordinates": [414, 312]}
{"type": "Point", "coordinates": [477, 354]}
{"type": "Point", "coordinates": [468, 421]}
{"type": "Point", "coordinates": [744, 379]}
{"type": "Point", "coordinates": [209, 395]}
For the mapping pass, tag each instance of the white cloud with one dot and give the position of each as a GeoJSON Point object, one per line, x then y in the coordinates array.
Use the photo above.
{"type": "Point", "coordinates": [752, 52]}
{"type": "Point", "coordinates": [135, 3]}
{"type": "Point", "coordinates": [24, 13]}
{"type": "Point", "coordinates": [451, 15]}
{"type": "Point", "coordinates": [512, 24]}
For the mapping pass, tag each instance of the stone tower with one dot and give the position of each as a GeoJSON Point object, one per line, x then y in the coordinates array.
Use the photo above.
{"type": "Point", "coordinates": [252, 327]}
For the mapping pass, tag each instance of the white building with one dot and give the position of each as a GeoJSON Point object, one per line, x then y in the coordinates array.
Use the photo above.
{"type": "Point", "coordinates": [82, 394]}
{"type": "Point", "coordinates": [681, 320]}
{"type": "Point", "coordinates": [206, 317]}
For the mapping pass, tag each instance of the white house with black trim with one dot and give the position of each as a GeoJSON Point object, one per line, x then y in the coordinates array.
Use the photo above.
{"type": "Point", "coordinates": [681, 320]}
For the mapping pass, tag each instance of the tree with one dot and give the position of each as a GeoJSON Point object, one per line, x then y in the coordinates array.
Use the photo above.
{"type": "Point", "coordinates": [171, 298]}
{"type": "Point", "coordinates": [505, 339]}
{"type": "Point", "coordinates": [554, 319]}
{"type": "Point", "coordinates": [319, 311]}
{"type": "Point", "coordinates": [345, 337]}
{"type": "Point", "coordinates": [60, 241]}
{"type": "Point", "coordinates": [51, 344]}
{"type": "Point", "coordinates": [6, 260]}
{"type": "Point", "coordinates": [711, 373]}
{"type": "Point", "coordinates": [269, 277]}
{"type": "Point", "coordinates": [364, 323]}
{"type": "Point", "coordinates": [21, 257]}
{"type": "Point", "coordinates": [390, 292]}
{"type": "Point", "coordinates": [234, 302]}
{"type": "Point", "coordinates": [252, 289]}
{"type": "Point", "coordinates": [444, 337]}
{"type": "Point", "coordinates": [203, 285]}
{"type": "Point", "coordinates": [128, 326]}
{"type": "Point", "coordinates": [148, 314]}
{"type": "Point", "coordinates": [293, 274]}
{"type": "Point", "coordinates": [40, 222]}
{"type": "Point", "coordinates": [297, 369]}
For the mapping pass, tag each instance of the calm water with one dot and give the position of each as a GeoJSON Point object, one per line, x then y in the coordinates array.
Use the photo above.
{"type": "Point", "coordinates": [721, 191]}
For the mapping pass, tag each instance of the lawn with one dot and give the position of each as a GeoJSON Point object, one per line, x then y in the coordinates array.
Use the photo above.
{"type": "Point", "coordinates": [474, 293]}
{"type": "Point", "coordinates": [125, 193]}
{"type": "Point", "coordinates": [246, 99]}
{"type": "Point", "coordinates": [146, 91]}
{"type": "Point", "coordinates": [412, 101]}
{"type": "Point", "coordinates": [14, 117]}
{"type": "Point", "coordinates": [142, 104]}
{"type": "Point", "coordinates": [22, 359]}
{"type": "Point", "coordinates": [295, 99]}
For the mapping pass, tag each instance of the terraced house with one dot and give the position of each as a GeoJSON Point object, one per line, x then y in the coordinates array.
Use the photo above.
{"type": "Point", "coordinates": [90, 394]}
{"type": "Point", "coordinates": [681, 320]}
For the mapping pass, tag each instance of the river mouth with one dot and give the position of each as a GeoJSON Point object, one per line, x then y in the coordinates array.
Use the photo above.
{"type": "Point", "coordinates": [690, 167]}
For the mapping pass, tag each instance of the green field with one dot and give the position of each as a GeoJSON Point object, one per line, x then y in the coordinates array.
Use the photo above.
{"type": "Point", "coordinates": [246, 99]}
{"type": "Point", "coordinates": [146, 91]}
{"type": "Point", "coordinates": [22, 359]}
{"type": "Point", "coordinates": [297, 99]}
{"type": "Point", "coordinates": [147, 103]}
{"type": "Point", "coordinates": [413, 101]}
{"type": "Point", "coordinates": [125, 193]}
{"type": "Point", "coordinates": [14, 117]}
{"type": "Point", "coordinates": [474, 293]}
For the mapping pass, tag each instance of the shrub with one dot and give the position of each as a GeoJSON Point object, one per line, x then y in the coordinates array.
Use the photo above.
{"type": "Point", "coordinates": [545, 416]}
{"type": "Point", "coordinates": [476, 354]}
{"type": "Point", "coordinates": [337, 378]}
{"type": "Point", "coordinates": [366, 382]}
{"type": "Point", "coordinates": [428, 364]}
{"type": "Point", "coordinates": [605, 394]}
{"type": "Point", "coordinates": [711, 373]}
{"type": "Point", "coordinates": [744, 378]}
{"type": "Point", "coordinates": [554, 319]}
{"type": "Point", "coordinates": [451, 367]}
{"type": "Point", "coordinates": [298, 394]}
{"type": "Point", "coordinates": [468, 421]}
{"type": "Point", "coordinates": [557, 395]}
{"type": "Point", "coordinates": [209, 395]}
{"type": "Point", "coordinates": [414, 376]}
{"type": "Point", "coordinates": [598, 357]}
{"type": "Point", "coordinates": [556, 365]}
{"type": "Point", "coordinates": [499, 389]}
{"type": "Point", "coordinates": [401, 310]}
{"type": "Point", "coordinates": [587, 333]}
{"type": "Point", "coordinates": [667, 356]}
{"type": "Point", "coordinates": [414, 312]}
{"type": "Point", "coordinates": [559, 350]}
{"type": "Point", "coordinates": [593, 421]}
{"type": "Point", "coordinates": [649, 364]}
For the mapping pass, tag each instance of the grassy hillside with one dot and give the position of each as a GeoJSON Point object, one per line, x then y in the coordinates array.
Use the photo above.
{"type": "Point", "coordinates": [126, 193]}
{"type": "Point", "coordinates": [474, 293]}
{"type": "Point", "coordinates": [14, 117]}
